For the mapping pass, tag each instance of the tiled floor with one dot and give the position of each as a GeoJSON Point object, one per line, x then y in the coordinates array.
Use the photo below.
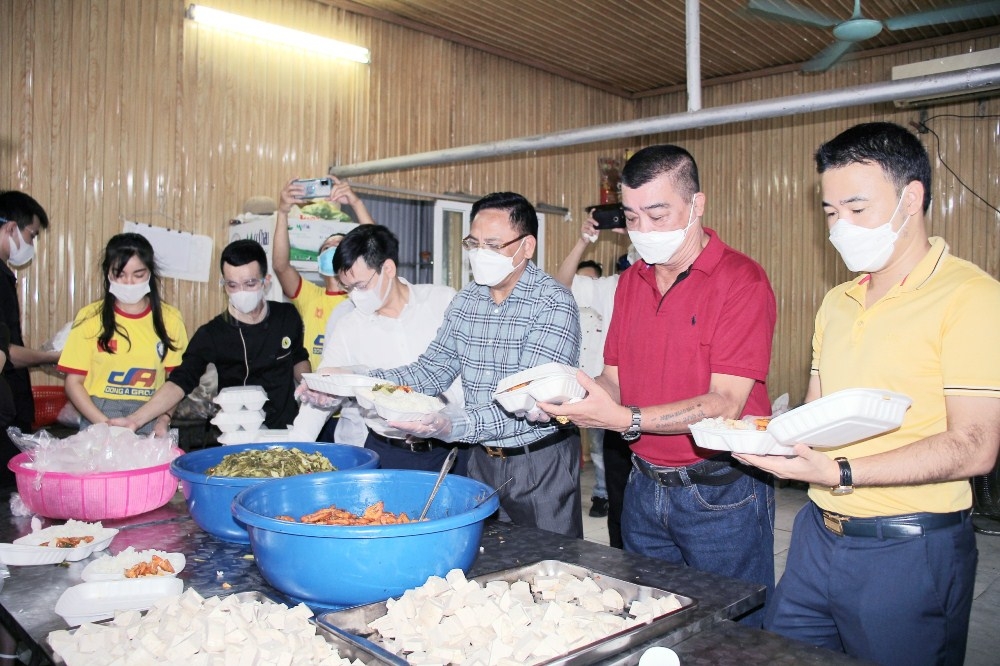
{"type": "Point", "coordinates": [984, 631]}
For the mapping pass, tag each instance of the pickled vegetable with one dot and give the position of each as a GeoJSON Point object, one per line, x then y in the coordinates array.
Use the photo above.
{"type": "Point", "coordinates": [271, 463]}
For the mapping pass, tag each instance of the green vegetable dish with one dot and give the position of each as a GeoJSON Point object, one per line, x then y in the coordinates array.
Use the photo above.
{"type": "Point", "coordinates": [271, 463]}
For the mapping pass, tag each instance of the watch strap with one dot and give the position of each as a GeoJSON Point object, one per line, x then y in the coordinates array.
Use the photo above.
{"type": "Point", "coordinates": [846, 486]}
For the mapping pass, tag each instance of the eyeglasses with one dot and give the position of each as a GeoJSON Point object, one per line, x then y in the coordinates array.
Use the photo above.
{"type": "Point", "coordinates": [247, 285]}
{"type": "Point", "coordinates": [359, 286]}
{"type": "Point", "coordinates": [470, 243]}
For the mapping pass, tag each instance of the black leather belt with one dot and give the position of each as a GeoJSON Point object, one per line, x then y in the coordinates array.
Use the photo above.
{"type": "Point", "coordinates": [891, 527]}
{"type": "Point", "coordinates": [698, 473]}
{"type": "Point", "coordinates": [510, 451]}
{"type": "Point", "coordinates": [414, 445]}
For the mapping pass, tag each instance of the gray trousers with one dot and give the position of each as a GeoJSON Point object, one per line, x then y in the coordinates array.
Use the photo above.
{"type": "Point", "coordinates": [544, 490]}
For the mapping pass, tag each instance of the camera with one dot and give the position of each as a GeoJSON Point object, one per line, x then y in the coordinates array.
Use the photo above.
{"type": "Point", "coordinates": [608, 216]}
{"type": "Point", "coordinates": [316, 187]}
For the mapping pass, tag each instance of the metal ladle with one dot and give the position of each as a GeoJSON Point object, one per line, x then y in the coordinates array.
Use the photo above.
{"type": "Point", "coordinates": [448, 462]}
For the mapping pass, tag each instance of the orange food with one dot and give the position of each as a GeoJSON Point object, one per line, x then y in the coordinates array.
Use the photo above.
{"type": "Point", "coordinates": [151, 568]}
{"type": "Point", "coordinates": [68, 542]}
{"type": "Point", "coordinates": [762, 422]}
{"type": "Point", "coordinates": [373, 515]}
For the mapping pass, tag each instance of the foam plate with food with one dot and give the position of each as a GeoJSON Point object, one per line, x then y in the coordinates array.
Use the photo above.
{"type": "Point", "coordinates": [26, 556]}
{"type": "Point", "coordinates": [77, 538]}
{"type": "Point", "coordinates": [841, 418]}
{"type": "Point", "coordinates": [550, 382]}
{"type": "Point", "coordinates": [398, 403]}
{"type": "Point", "coordinates": [749, 435]}
{"type": "Point", "coordinates": [132, 563]}
{"type": "Point", "coordinates": [341, 385]}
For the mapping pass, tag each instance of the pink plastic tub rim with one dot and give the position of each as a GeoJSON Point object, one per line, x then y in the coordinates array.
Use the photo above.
{"type": "Point", "coordinates": [65, 495]}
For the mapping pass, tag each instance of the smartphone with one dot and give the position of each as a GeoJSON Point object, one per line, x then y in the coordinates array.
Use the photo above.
{"type": "Point", "coordinates": [316, 187]}
{"type": "Point", "coordinates": [608, 216]}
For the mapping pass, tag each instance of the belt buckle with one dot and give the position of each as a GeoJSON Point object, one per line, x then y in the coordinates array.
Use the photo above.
{"type": "Point", "coordinates": [495, 451]}
{"type": "Point", "coordinates": [834, 523]}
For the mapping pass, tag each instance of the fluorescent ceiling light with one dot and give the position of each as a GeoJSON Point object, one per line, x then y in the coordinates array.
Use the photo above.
{"type": "Point", "coordinates": [275, 33]}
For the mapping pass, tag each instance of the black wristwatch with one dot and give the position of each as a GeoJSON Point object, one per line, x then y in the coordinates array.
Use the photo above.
{"type": "Point", "coordinates": [635, 429]}
{"type": "Point", "coordinates": [846, 486]}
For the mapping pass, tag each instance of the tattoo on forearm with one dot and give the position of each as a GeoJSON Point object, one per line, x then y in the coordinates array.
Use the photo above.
{"type": "Point", "coordinates": [681, 417]}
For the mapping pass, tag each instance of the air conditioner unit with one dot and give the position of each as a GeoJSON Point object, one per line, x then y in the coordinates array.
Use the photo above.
{"type": "Point", "coordinates": [943, 66]}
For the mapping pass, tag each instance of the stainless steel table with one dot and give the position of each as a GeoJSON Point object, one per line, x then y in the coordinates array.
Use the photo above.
{"type": "Point", "coordinates": [29, 595]}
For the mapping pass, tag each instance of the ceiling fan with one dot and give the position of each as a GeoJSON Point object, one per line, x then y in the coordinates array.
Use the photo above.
{"type": "Point", "coordinates": [858, 28]}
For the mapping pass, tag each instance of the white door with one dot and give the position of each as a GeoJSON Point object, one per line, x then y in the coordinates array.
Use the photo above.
{"type": "Point", "coordinates": [451, 225]}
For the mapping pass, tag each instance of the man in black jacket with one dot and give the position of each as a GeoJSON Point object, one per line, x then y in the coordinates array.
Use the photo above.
{"type": "Point", "coordinates": [21, 220]}
{"type": "Point", "coordinates": [255, 342]}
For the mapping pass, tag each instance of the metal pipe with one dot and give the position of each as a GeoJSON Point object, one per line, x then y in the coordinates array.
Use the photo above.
{"type": "Point", "coordinates": [872, 93]}
{"type": "Point", "coordinates": [692, 22]}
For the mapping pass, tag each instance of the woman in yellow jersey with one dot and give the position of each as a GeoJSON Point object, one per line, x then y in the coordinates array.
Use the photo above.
{"type": "Point", "coordinates": [122, 347]}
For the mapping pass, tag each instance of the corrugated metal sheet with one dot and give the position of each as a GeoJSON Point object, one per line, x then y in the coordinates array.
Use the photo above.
{"type": "Point", "coordinates": [117, 108]}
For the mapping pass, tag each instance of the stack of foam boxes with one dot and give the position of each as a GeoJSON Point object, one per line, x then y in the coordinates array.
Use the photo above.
{"type": "Point", "coordinates": [242, 414]}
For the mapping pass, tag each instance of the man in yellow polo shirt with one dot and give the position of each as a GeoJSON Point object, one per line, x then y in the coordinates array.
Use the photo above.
{"type": "Point", "coordinates": [883, 559]}
{"type": "Point", "coordinates": [314, 303]}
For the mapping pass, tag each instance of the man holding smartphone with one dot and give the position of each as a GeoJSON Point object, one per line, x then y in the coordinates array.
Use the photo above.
{"type": "Point", "coordinates": [314, 303]}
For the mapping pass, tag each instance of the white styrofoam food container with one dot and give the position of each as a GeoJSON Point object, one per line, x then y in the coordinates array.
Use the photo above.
{"type": "Point", "coordinates": [241, 420]}
{"type": "Point", "coordinates": [340, 385]}
{"type": "Point", "coordinates": [92, 602]}
{"type": "Point", "coordinates": [22, 555]}
{"type": "Point", "coordinates": [841, 418]}
{"type": "Point", "coordinates": [549, 382]}
{"type": "Point", "coordinates": [102, 539]}
{"type": "Point", "coordinates": [239, 437]}
{"type": "Point", "coordinates": [369, 399]}
{"type": "Point", "coordinates": [113, 567]}
{"type": "Point", "coordinates": [710, 434]}
{"type": "Point", "coordinates": [235, 398]}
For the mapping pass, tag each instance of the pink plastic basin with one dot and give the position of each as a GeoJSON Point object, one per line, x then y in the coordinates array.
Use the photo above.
{"type": "Point", "coordinates": [98, 496]}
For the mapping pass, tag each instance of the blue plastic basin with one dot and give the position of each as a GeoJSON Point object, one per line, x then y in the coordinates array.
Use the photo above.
{"type": "Point", "coordinates": [337, 566]}
{"type": "Point", "coordinates": [210, 498]}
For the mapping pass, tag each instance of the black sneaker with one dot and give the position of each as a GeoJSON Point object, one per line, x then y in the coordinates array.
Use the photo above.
{"type": "Point", "coordinates": [598, 507]}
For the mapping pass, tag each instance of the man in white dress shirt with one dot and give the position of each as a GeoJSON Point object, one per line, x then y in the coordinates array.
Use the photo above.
{"type": "Point", "coordinates": [391, 324]}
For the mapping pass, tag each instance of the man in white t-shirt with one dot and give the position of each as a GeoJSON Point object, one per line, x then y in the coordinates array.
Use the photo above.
{"type": "Point", "coordinates": [391, 324]}
{"type": "Point", "coordinates": [595, 296]}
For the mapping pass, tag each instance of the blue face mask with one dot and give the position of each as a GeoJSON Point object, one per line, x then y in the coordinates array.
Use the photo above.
{"type": "Point", "coordinates": [325, 261]}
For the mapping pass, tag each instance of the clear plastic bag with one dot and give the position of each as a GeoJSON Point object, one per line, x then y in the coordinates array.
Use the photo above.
{"type": "Point", "coordinates": [99, 448]}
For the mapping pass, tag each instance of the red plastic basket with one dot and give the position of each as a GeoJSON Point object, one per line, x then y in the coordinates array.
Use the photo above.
{"type": "Point", "coordinates": [49, 401]}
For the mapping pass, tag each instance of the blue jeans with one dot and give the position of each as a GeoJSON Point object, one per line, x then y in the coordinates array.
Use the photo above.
{"type": "Point", "coordinates": [726, 530]}
{"type": "Point", "coordinates": [891, 601]}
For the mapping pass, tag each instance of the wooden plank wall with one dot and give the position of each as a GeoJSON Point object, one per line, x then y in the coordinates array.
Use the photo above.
{"type": "Point", "coordinates": [119, 108]}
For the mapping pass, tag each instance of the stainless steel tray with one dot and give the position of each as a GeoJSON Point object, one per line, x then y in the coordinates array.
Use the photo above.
{"type": "Point", "coordinates": [352, 623]}
{"type": "Point", "coordinates": [348, 646]}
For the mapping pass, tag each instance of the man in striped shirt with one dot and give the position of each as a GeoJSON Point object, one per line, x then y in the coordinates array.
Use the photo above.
{"type": "Point", "coordinates": [513, 317]}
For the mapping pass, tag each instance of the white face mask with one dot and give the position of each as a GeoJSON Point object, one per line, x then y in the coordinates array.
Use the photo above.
{"type": "Point", "coordinates": [19, 254]}
{"type": "Point", "coordinates": [246, 301]}
{"type": "Point", "coordinates": [129, 294]}
{"type": "Point", "coordinates": [863, 249]}
{"type": "Point", "coordinates": [489, 268]}
{"type": "Point", "coordinates": [369, 301]}
{"type": "Point", "coordinates": [657, 247]}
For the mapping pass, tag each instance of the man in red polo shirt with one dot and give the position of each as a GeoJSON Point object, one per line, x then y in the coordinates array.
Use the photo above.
{"type": "Point", "coordinates": [690, 339]}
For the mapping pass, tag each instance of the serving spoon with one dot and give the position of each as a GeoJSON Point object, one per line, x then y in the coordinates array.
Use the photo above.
{"type": "Point", "coordinates": [448, 462]}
